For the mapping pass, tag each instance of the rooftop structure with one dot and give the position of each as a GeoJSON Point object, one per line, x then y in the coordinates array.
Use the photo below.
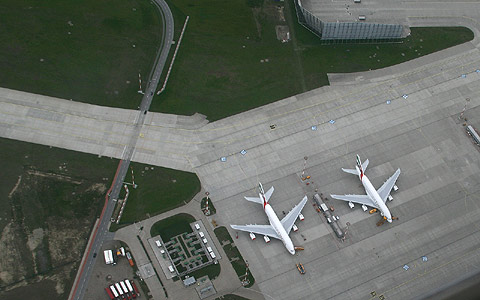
{"type": "Point", "coordinates": [339, 23]}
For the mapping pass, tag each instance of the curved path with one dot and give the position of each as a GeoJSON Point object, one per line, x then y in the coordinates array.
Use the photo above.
{"type": "Point", "coordinates": [100, 232]}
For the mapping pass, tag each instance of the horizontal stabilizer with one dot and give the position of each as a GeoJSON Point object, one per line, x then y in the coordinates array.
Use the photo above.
{"type": "Point", "coordinates": [365, 165]}
{"type": "Point", "coordinates": [351, 171]}
{"type": "Point", "coordinates": [254, 199]}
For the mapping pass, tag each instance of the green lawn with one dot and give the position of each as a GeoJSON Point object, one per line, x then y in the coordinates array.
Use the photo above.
{"type": "Point", "coordinates": [158, 190]}
{"type": "Point", "coordinates": [172, 226]}
{"type": "Point", "coordinates": [218, 71]}
{"type": "Point", "coordinates": [80, 50]}
{"type": "Point", "coordinates": [212, 271]}
{"type": "Point", "coordinates": [241, 270]}
{"type": "Point", "coordinates": [211, 208]}
{"type": "Point", "coordinates": [232, 253]}
{"type": "Point", "coordinates": [222, 234]}
{"type": "Point", "coordinates": [214, 74]}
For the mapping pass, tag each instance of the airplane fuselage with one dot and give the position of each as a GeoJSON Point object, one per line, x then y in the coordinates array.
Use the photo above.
{"type": "Point", "coordinates": [278, 227]}
{"type": "Point", "coordinates": [375, 197]}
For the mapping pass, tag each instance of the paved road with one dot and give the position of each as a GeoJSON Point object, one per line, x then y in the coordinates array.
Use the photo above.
{"type": "Point", "coordinates": [101, 232]}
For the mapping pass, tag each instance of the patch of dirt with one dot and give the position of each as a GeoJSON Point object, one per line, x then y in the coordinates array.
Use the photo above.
{"type": "Point", "coordinates": [100, 187]}
{"type": "Point", "coordinates": [35, 239]}
{"type": "Point", "coordinates": [256, 16]}
{"type": "Point", "coordinates": [10, 268]}
{"type": "Point", "coordinates": [60, 287]}
{"type": "Point", "coordinates": [15, 187]}
{"type": "Point", "coordinates": [66, 241]}
{"type": "Point", "coordinates": [36, 246]}
{"type": "Point", "coordinates": [54, 176]}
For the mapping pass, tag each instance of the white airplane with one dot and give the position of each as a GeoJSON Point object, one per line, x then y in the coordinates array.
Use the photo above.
{"type": "Point", "coordinates": [373, 198]}
{"type": "Point", "coordinates": [277, 229]}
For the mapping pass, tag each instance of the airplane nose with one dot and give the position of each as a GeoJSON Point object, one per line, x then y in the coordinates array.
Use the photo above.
{"type": "Point", "coordinates": [389, 220]}
{"type": "Point", "coordinates": [292, 252]}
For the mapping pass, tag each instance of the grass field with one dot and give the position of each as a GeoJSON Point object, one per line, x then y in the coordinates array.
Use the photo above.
{"type": "Point", "coordinates": [212, 271]}
{"type": "Point", "coordinates": [211, 208]}
{"type": "Point", "coordinates": [223, 235]}
{"type": "Point", "coordinates": [80, 50]}
{"type": "Point", "coordinates": [172, 226]}
{"type": "Point", "coordinates": [159, 190]}
{"type": "Point", "coordinates": [233, 255]}
{"type": "Point", "coordinates": [218, 71]}
{"type": "Point", "coordinates": [50, 199]}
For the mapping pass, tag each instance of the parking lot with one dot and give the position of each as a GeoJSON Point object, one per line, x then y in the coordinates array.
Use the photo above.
{"type": "Point", "coordinates": [105, 275]}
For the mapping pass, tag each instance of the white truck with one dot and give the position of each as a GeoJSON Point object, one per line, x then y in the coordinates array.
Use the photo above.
{"type": "Point", "coordinates": [108, 255]}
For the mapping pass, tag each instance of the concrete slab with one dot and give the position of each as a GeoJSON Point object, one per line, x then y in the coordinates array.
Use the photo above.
{"type": "Point", "coordinates": [146, 270]}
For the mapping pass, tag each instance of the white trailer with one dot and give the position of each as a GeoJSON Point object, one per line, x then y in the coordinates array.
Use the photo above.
{"type": "Point", "coordinates": [124, 287]}
{"type": "Point", "coordinates": [114, 291]}
{"type": "Point", "coordinates": [129, 286]}
{"type": "Point", "coordinates": [324, 207]}
{"type": "Point", "coordinates": [119, 289]}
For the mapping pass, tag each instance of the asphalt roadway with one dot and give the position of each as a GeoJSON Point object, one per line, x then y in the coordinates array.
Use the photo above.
{"type": "Point", "coordinates": [421, 133]}
{"type": "Point", "coordinates": [101, 232]}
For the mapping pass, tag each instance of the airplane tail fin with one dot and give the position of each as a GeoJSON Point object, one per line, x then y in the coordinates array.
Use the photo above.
{"type": "Point", "coordinates": [359, 168]}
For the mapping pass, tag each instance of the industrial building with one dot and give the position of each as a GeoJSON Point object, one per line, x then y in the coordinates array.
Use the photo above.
{"type": "Point", "coordinates": [349, 23]}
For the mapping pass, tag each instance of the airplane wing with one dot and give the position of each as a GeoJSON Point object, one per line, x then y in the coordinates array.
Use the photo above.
{"type": "Point", "coordinates": [360, 199]}
{"type": "Point", "coordinates": [258, 229]}
{"type": "Point", "coordinates": [386, 188]}
{"type": "Point", "coordinates": [290, 218]}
